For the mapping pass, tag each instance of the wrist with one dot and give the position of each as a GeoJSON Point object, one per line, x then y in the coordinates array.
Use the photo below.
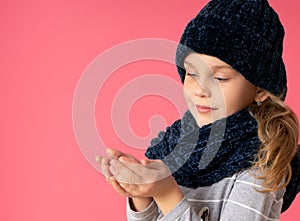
{"type": "Point", "coordinates": [168, 200]}
{"type": "Point", "coordinates": [138, 204]}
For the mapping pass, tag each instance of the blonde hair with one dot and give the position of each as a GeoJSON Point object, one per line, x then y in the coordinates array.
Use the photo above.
{"type": "Point", "coordinates": [278, 131]}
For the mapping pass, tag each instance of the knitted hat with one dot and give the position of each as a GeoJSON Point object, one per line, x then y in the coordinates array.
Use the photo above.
{"type": "Point", "coordinates": [246, 34]}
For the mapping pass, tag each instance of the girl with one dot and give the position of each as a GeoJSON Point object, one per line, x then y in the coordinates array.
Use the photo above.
{"type": "Point", "coordinates": [234, 154]}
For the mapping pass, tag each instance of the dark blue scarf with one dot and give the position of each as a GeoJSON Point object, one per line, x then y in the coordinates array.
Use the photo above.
{"type": "Point", "coordinates": [202, 156]}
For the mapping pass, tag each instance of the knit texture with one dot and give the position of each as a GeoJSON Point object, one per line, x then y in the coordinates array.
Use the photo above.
{"type": "Point", "coordinates": [246, 34]}
{"type": "Point", "coordinates": [203, 156]}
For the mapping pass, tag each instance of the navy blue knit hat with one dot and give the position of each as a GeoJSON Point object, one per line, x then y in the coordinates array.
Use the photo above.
{"type": "Point", "coordinates": [246, 34]}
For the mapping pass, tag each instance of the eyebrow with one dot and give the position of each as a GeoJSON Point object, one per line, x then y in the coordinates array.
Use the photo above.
{"type": "Point", "coordinates": [188, 63]}
{"type": "Point", "coordinates": [220, 67]}
{"type": "Point", "coordinates": [213, 67]}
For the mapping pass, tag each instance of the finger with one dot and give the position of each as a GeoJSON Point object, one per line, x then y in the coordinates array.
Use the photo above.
{"type": "Point", "coordinates": [116, 154]}
{"type": "Point", "coordinates": [150, 170]}
{"type": "Point", "coordinates": [104, 165]}
{"type": "Point", "coordinates": [119, 189]}
{"type": "Point", "coordinates": [129, 159]}
{"type": "Point", "coordinates": [155, 164]}
{"type": "Point", "coordinates": [137, 173]}
{"type": "Point", "coordinates": [109, 180]}
{"type": "Point", "coordinates": [98, 158]}
{"type": "Point", "coordinates": [122, 173]}
{"type": "Point", "coordinates": [145, 167]}
{"type": "Point", "coordinates": [131, 189]}
{"type": "Point", "coordinates": [145, 161]}
{"type": "Point", "coordinates": [113, 153]}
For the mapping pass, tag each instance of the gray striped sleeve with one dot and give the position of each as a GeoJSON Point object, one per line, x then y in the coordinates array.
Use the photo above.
{"type": "Point", "coordinates": [148, 214]}
{"type": "Point", "coordinates": [246, 203]}
{"type": "Point", "coordinates": [182, 212]}
{"type": "Point", "coordinates": [232, 199]}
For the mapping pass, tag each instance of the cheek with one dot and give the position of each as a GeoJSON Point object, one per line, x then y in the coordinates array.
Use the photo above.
{"type": "Point", "coordinates": [219, 93]}
{"type": "Point", "coordinates": [248, 93]}
{"type": "Point", "coordinates": [186, 90]}
{"type": "Point", "coordinates": [187, 82]}
{"type": "Point", "coordinates": [241, 98]}
{"type": "Point", "coordinates": [187, 95]}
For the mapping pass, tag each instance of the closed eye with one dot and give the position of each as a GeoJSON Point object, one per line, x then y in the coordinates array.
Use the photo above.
{"type": "Point", "coordinates": [222, 79]}
{"type": "Point", "coordinates": [191, 74]}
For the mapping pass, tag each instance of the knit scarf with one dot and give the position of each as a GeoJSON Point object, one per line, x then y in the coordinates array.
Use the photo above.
{"type": "Point", "coordinates": [203, 156]}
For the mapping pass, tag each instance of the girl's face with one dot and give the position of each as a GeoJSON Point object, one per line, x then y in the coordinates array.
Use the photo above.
{"type": "Point", "coordinates": [213, 89]}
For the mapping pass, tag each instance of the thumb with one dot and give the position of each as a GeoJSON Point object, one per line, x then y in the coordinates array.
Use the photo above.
{"type": "Point", "coordinates": [147, 161]}
{"type": "Point", "coordinates": [113, 153]}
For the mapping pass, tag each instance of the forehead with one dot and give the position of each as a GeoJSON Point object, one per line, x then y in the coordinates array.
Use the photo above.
{"type": "Point", "coordinates": [200, 60]}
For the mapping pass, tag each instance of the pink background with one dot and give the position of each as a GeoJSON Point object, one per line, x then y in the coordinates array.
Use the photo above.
{"type": "Point", "coordinates": [44, 48]}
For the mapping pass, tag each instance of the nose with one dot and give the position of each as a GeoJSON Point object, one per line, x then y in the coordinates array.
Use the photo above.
{"type": "Point", "coordinates": [201, 90]}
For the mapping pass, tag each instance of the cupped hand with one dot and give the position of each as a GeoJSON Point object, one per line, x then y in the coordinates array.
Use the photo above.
{"type": "Point", "coordinates": [113, 154]}
{"type": "Point", "coordinates": [142, 181]}
{"type": "Point", "coordinates": [147, 179]}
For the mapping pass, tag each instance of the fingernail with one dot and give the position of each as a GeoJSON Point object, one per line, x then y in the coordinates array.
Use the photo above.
{"type": "Point", "coordinates": [113, 162]}
{"type": "Point", "coordinates": [97, 158]}
{"type": "Point", "coordinates": [110, 152]}
{"type": "Point", "coordinates": [112, 169]}
{"type": "Point", "coordinates": [122, 159]}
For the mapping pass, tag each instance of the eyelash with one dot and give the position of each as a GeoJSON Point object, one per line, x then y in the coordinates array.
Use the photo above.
{"type": "Point", "coordinates": [221, 79]}
{"type": "Point", "coordinates": [190, 74]}
{"type": "Point", "coordinates": [217, 78]}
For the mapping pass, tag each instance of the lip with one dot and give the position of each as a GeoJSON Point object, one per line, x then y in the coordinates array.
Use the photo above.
{"type": "Point", "coordinates": [204, 109]}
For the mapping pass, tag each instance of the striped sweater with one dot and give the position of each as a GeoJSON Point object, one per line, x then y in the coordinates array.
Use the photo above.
{"type": "Point", "coordinates": [232, 199]}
